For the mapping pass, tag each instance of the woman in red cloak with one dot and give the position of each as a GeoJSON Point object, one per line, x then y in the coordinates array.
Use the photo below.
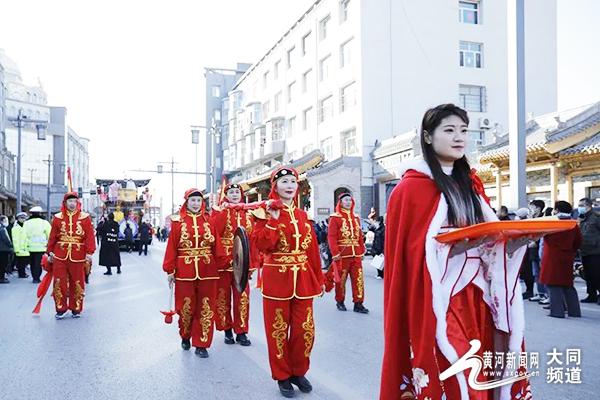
{"type": "Point", "coordinates": [439, 297]}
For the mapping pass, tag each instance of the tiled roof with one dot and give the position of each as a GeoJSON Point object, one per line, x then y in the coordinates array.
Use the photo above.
{"type": "Point", "coordinates": [589, 146]}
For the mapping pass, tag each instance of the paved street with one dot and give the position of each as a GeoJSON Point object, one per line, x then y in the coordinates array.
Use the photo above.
{"type": "Point", "coordinates": [121, 348]}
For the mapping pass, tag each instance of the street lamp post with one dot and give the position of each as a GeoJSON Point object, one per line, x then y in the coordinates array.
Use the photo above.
{"type": "Point", "coordinates": [20, 120]}
{"type": "Point", "coordinates": [215, 133]}
{"type": "Point", "coordinates": [50, 162]}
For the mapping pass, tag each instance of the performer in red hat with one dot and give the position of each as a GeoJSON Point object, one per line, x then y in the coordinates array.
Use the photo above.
{"type": "Point", "coordinates": [71, 244]}
{"type": "Point", "coordinates": [347, 247]}
{"type": "Point", "coordinates": [227, 219]}
{"type": "Point", "coordinates": [289, 280]}
{"type": "Point", "coordinates": [190, 264]}
{"type": "Point", "coordinates": [442, 300]}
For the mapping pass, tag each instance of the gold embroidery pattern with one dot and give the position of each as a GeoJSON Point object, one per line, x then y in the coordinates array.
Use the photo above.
{"type": "Point", "coordinates": [343, 283]}
{"type": "Point", "coordinates": [283, 245]}
{"type": "Point", "coordinates": [279, 332]}
{"type": "Point", "coordinates": [360, 283]}
{"type": "Point", "coordinates": [57, 293]}
{"type": "Point", "coordinates": [184, 238]}
{"type": "Point", "coordinates": [206, 318]}
{"type": "Point", "coordinates": [309, 332]}
{"type": "Point", "coordinates": [308, 238]}
{"type": "Point", "coordinates": [248, 224]}
{"type": "Point", "coordinates": [186, 314]}
{"type": "Point", "coordinates": [222, 306]}
{"type": "Point", "coordinates": [208, 236]}
{"type": "Point", "coordinates": [78, 295]}
{"type": "Point", "coordinates": [79, 231]}
{"type": "Point", "coordinates": [346, 233]}
{"type": "Point", "coordinates": [227, 238]}
{"type": "Point", "coordinates": [243, 309]}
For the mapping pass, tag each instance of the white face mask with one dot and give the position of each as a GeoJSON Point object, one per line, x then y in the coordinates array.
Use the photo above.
{"type": "Point", "coordinates": [4, 223]}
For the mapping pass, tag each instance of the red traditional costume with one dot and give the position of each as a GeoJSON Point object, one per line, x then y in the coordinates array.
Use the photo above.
{"type": "Point", "coordinates": [227, 220]}
{"type": "Point", "coordinates": [435, 304]}
{"type": "Point", "coordinates": [289, 280]}
{"type": "Point", "coordinates": [346, 242]}
{"type": "Point", "coordinates": [71, 239]}
{"type": "Point", "coordinates": [190, 255]}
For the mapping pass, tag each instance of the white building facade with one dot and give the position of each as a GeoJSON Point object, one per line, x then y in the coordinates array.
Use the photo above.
{"type": "Point", "coordinates": [62, 145]}
{"type": "Point", "coordinates": [350, 73]}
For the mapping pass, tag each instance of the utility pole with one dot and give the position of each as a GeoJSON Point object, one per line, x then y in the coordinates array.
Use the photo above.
{"type": "Point", "coordinates": [49, 161]}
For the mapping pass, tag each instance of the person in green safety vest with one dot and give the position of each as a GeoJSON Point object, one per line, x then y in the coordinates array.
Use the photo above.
{"type": "Point", "coordinates": [20, 244]}
{"type": "Point", "coordinates": [37, 230]}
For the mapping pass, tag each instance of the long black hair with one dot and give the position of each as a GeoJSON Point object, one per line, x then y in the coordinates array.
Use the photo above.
{"type": "Point", "coordinates": [464, 207]}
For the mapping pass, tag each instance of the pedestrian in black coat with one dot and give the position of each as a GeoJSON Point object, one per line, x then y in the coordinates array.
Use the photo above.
{"type": "Point", "coordinates": [6, 248]}
{"type": "Point", "coordinates": [109, 247]}
{"type": "Point", "coordinates": [145, 234]}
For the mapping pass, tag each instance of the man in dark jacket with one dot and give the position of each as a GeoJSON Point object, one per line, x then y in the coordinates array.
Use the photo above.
{"type": "Point", "coordinates": [6, 248]}
{"type": "Point", "coordinates": [536, 208]}
{"type": "Point", "coordinates": [109, 248]}
{"type": "Point", "coordinates": [589, 223]}
{"type": "Point", "coordinates": [145, 233]}
{"type": "Point", "coordinates": [128, 233]}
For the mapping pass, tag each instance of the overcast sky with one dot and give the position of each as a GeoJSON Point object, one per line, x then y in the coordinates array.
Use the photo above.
{"type": "Point", "coordinates": [131, 72]}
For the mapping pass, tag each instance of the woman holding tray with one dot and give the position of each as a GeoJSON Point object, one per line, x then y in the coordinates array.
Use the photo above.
{"type": "Point", "coordinates": [439, 297]}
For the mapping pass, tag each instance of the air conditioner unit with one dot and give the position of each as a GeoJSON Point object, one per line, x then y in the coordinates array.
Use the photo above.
{"type": "Point", "coordinates": [485, 123]}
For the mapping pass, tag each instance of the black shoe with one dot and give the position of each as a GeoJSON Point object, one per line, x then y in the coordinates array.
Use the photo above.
{"type": "Point", "coordinates": [23, 276]}
{"type": "Point", "coordinates": [286, 388]}
{"type": "Point", "coordinates": [4, 280]}
{"type": "Point", "coordinates": [201, 352]}
{"type": "Point", "coordinates": [229, 337]}
{"type": "Point", "coordinates": [76, 315]}
{"type": "Point", "coordinates": [60, 315]}
{"type": "Point", "coordinates": [341, 306]}
{"type": "Point", "coordinates": [242, 339]}
{"type": "Point", "coordinates": [527, 295]}
{"type": "Point", "coordinates": [359, 308]}
{"type": "Point", "coordinates": [302, 383]}
{"type": "Point", "coordinates": [36, 281]}
{"type": "Point", "coordinates": [119, 271]}
{"type": "Point", "coordinates": [185, 344]}
{"type": "Point", "coordinates": [546, 307]}
{"type": "Point", "coordinates": [590, 299]}
{"type": "Point", "coordinates": [107, 273]}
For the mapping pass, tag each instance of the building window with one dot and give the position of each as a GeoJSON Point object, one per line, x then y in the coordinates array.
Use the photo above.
{"type": "Point", "coordinates": [290, 57]}
{"type": "Point", "coordinates": [346, 53]}
{"type": "Point", "coordinates": [325, 108]}
{"type": "Point", "coordinates": [290, 91]}
{"type": "Point", "coordinates": [327, 148]}
{"type": "Point", "coordinates": [276, 102]}
{"type": "Point", "coordinates": [216, 91]}
{"type": "Point", "coordinates": [344, 10]}
{"type": "Point", "coordinates": [306, 80]}
{"type": "Point", "coordinates": [276, 69]}
{"type": "Point", "coordinates": [468, 12]}
{"type": "Point", "coordinates": [323, 27]}
{"type": "Point", "coordinates": [347, 97]}
{"type": "Point", "coordinates": [348, 142]}
{"type": "Point", "coordinates": [477, 137]}
{"type": "Point", "coordinates": [277, 129]}
{"type": "Point", "coordinates": [307, 119]}
{"type": "Point", "coordinates": [324, 68]}
{"type": "Point", "coordinates": [472, 98]}
{"type": "Point", "coordinates": [265, 79]}
{"type": "Point", "coordinates": [291, 127]}
{"type": "Point", "coordinates": [265, 108]}
{"type": "Point", "coordinates": [305, 43]}
{"type": "Point", "coordinates": [217, 115]}
{"type": "Point", "coordinates": [470, 54]}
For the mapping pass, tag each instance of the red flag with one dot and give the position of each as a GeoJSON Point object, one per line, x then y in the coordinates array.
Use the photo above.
{"type": "Point", "coordinates": [69, 179]}
{"type": "Point", "coordinates": [222, 191]}
{"type": "Point", "coordinates": [42, 290]}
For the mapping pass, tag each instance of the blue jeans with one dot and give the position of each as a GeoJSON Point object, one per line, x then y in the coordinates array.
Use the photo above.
{"type": "Point", "coordinates": [535, 267]}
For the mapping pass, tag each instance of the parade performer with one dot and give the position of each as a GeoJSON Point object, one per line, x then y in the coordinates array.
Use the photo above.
{"type": "Point", "coordinates": [190, 264]}
{"type": "Point", "coordinates": [71, 244]}
{"type": "Point", "coordinates": [347, 247]}
{"type": "Point", "coordinates": [227, 220]}
{"type": "Point", "coordinates": [439, 297]}
{"type": "Point", "coordinates": [289, 279]}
